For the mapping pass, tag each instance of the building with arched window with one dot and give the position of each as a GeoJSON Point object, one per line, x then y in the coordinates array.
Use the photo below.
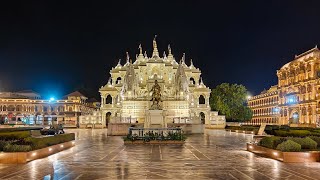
{"type": "Point", "coordinates": [27, 107]}
{"type": "Point", "coordinates": [184, 96]}
{"type": "Point", "coordinates": [296, 97]}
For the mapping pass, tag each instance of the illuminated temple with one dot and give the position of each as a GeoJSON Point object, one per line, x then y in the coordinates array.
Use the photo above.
{"type": "Point", "coordinates": [126, 98]}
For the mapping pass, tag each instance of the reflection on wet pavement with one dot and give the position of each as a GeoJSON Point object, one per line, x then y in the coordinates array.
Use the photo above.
{"type": "Point", "coordinates": [214, 155]}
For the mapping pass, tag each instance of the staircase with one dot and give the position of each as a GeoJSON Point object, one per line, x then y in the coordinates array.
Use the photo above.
{"type": "Point", "coordinates": [261, 129]}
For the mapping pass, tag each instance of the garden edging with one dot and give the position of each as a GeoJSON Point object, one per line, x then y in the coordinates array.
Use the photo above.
{"type": "Point", "coordinates": [301, 157]}
{"type": "Point", "coordinates": [24, 157]}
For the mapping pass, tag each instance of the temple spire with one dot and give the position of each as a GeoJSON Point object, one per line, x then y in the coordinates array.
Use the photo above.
{"type": "Point", "coordinates": [170, 56]}
{"type": "Point", "coordinates": [164, 54]}
{"type": "Point", "coordinates": [128, 57]}
{"type": "Point", "coordinates": [155, 49]}
{"type": "Point", "coordinates": [140, 56]}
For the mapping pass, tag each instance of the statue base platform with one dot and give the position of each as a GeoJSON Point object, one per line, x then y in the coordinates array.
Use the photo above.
{"type": "Point", "coordinates": [155, 119]}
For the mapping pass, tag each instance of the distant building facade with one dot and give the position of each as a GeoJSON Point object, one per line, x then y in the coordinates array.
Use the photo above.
{"type": "Point", "coordinates": [27, 107]}
{"type": "Point", "coordinates": [297, 92]}
{"type": "Point", "coordinates": [265, 107]}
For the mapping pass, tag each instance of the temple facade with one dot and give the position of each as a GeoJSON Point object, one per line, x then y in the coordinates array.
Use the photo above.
{"type": "Point", "coordinates": [126, 98]}
{"type": "Point", "coordinates": [295, 100]}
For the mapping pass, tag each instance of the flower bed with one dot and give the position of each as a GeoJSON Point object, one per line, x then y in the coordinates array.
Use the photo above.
{"type": "Point", "coordinates": [311, 156]}
{"type": "Point", "coordinates": [20, 147]}
{"type": "Point", "coordinates": [151, 137]}
{"type": "Point", "coordinates": [153, 142]}
{"type": "Point", "coordinates": [24, 157]}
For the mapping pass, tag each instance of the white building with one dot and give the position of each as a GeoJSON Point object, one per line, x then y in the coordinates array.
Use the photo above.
{"type": "Point", "coordinates": [185, 98]}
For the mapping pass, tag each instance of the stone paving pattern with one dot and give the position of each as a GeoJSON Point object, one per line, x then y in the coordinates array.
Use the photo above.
{"type": "Point", "coordinates": [214, 155]}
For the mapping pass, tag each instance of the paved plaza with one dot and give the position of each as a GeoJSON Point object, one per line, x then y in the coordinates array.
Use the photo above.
{"type": "Point", "coordinates": [215, 155]}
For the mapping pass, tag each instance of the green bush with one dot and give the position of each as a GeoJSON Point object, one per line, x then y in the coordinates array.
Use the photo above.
{"type": "Point", "coordinates": [306, 143]}
{"type": "Point", "coordinates": [2, 144]}
{"type": "Point", "coordinates": [316, 139]}
{"type": "Point", "coordinates": [15, 135]}
{"type": "Point", "coordinates": [271, 142]}
{"type": "Point", "coordinates": [289, 146]}
{"type": "Point", "coordinates": [292, 133]}
{"type": "Point", "coordinates": [16, 148]}
{"type": "Point", "coordinates": [42, 142]}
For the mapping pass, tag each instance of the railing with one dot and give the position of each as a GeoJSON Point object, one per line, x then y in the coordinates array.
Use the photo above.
{"type": "Point", "coordinates": [155, 133]}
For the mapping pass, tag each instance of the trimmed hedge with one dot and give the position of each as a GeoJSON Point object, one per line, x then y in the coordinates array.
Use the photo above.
{"type": "Point", "coordinates": [306, 143]}
{"type": "Point", "coordinates": [16, 148]}
{"type": "Point", "coordinates": [292, 133]}
{"type": "Point", "coordinates": [289, 146]}
{"type": "Point", "coordinates": [38, 143]}
{"type": "Point", "coordinates": [7, 136]}
{"type": "Point", "coordinates": [271, 142]}
{"type": "Point", "coordinates": [316, 139]}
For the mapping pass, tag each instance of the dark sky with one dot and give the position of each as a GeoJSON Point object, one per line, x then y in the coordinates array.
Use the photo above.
{"type": "Point", "coordinates": [54, 47]}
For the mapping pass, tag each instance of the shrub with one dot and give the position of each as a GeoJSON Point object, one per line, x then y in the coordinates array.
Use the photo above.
{"type": "Point", "coordinates": [292, 133]}
{"type": "Point", "coordinates": [2, 144]}
{"type": "Point", "coordinates": [14, 135]}
{"type": "Point", "coordinates": [289, 146]}
{"type": "Point", "coordinates": [16, 148]}
{"type": "Point", "coordinates": [316, 139]}
{"type": "Point", "coordinates": [306, 143]}
{"type": "Point", "coordinates": [42, 142]}
{"type": "Point", "coordinates": [271, 142]}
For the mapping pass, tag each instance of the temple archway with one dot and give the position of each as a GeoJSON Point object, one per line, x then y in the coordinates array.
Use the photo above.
{"type": "Point", "coordinates": [202, 117]}
{"type": "Point", "coordinates": [108, 117]}
{"type": "Point", "coordinates": [295, 117]}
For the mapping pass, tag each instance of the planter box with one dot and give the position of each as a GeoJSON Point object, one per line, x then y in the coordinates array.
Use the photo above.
{"type": "Point", "coordinates": [24, 157]}
{"type": "Point", "coordinates": [153, 142]}
{"type": "Point", "coordinates": [311, 156]}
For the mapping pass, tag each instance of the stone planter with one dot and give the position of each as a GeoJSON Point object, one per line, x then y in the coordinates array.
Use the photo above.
{"type": "Point", "coordinates": [153, 142]}
{"type": "Point", "coordinates": [24, 157]}
{"type": "Point", "coordinates": [301, 157]}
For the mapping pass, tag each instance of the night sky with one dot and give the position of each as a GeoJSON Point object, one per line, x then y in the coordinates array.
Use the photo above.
{"type": "Point", "coordinates": [55, 47]}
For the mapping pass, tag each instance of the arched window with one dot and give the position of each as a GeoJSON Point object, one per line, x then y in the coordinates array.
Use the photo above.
{"type": "Point", "coordinates": [70, 108]}
{"type": "Point", "coordinates": [11, 108]}
{"type": "Point", "coordinates": [202, 100]}
{"type": "Point", "coordinates": [109, 99]}
{"type": "Point", "coordinates": [118, 81]}
{"type": "Point", "coordinates": [192, 81]}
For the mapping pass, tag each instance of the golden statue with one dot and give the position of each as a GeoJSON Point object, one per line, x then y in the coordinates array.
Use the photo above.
{"type": "Point", "coordinates": [156, 95]}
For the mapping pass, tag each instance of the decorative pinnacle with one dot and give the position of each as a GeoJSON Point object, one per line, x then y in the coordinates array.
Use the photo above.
{"type": "Point", "coordinates": [119, 62]}
{"type": "Point", "coordinates": [164, 54]}
{"type": "Point", "coordinates": [140, 48]}
{"type": "Point", "coordinates": [128, 57]}
{"type": "Point", "coordinates": [191, 62]}
{"type": "Point", "coordinates": [145, 54]}
{"type": "Point", "coordinates": [183, 57]}
{"type": "Point", "coordinates": [169, 49]}
{"type": "Point", "coordinates": [155, 49]}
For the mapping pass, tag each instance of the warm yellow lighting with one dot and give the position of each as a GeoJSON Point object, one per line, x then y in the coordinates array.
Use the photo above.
{"type": "Point", "coordinates": [50, 149]}
{"type": "Point", "coordinates": [275, 153]}
{"type": "Point", "coordinates": [33, 154]}
{"type": "Point", "coordinates": [61, 146]}
{"type": "Point", "coordinates": [73, 142]}
{"type": "Point", "coordinates": [250, 147]}
{"type": "Point", "coordinates": [251, 132]}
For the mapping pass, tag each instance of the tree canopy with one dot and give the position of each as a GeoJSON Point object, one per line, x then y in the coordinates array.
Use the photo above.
{"type": "Point", "coordinates": [230, 100]}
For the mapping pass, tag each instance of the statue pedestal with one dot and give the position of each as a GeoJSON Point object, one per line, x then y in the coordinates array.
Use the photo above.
{"type": "Point", "coordinates": [155, 119]}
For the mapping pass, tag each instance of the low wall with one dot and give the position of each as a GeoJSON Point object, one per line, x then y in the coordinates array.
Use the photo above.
{"type": "Point", "coordinates": [24, 157]}
{"type": "Point", "coordinates": [121, 129]}
{"type": "Point", "coordinates": [302, 157]}
{"type": "Point", "coordinates": [188, 128]}
{"type": "Point", "coordinates": [216, 126]}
